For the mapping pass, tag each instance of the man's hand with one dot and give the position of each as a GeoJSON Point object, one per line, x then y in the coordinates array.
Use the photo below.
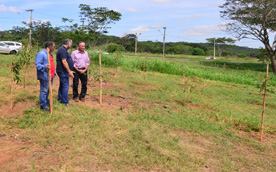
{"type": "Point", "coordinates": [48, 67]}
{"type": "Point", "coordinates": [71, 74]}
{"type": "Point", "coordinates": [82, 71]}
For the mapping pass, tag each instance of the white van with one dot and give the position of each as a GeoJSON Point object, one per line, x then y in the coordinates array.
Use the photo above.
{"type": "Point", "coordinates": [10, 47]}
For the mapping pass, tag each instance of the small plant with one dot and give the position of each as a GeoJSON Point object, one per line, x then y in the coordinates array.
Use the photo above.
{"type": "Point", "coordinates": [242, 55]}
{"type": "Point", "coordinates": [23, 58]}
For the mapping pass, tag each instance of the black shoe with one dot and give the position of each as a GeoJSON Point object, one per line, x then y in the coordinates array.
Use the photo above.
{"type": "Point", "coordinates": [82, 99]}
{"type": "Point", "coordinates": [45, 109]}
{"type": "Point", "coordinates": [76, 99]}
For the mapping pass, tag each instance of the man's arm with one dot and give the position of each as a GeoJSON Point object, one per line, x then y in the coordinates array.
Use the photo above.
{"type": "Point", "coordinates": [65, 64]}
{"type": "Point", "coordinates": [39, 62]}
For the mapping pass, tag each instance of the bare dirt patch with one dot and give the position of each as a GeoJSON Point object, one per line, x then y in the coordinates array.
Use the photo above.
{"type": "Point", "coordinates": [17, 154]}
{"type": "Point", "coordinates": [11, 149]}
{"type": "Point", "coordinates": [18, 108]}
{"type": "Point", "coordinates": [267, 138]}
{"type": "Point", "coordinates": [199, 147]}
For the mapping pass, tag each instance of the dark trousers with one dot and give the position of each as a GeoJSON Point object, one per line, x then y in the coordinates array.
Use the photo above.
{"type": "Point", "coordinates": [63, 90]}
{"type": "Point", "coordinates": [83, 77]}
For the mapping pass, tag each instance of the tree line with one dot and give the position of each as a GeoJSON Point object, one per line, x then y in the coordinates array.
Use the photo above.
{"type": "Point", "coordinates": [251, 18]}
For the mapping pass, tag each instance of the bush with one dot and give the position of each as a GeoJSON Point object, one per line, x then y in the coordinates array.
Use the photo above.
{"type": "Point", "coordinates": [242, 55]}
{"type": "Point", "coordinates": [225, 53]}
{"type": "Point", "coordinates": [111, 48]}
{"type": "Point", "coordinates": [198, 51]}
{"type": "Point", "coordinates": [182, 49]}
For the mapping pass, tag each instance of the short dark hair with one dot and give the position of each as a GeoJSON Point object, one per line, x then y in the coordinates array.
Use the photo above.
{"type": "Point", "coordinates": [66, 41]}
{"type": "Point", "coordinates": [48, 44]}
{"type": "Point", "coordinates": [80, 42]}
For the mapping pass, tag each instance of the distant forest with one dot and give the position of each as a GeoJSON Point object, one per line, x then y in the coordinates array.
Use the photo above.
{"type": "Point", "coordinates": [42, 32]}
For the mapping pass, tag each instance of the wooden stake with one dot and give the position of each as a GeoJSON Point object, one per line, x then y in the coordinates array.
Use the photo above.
{"type": "Point", "coordinates": [50, 84]}
{"type": "Point", "coordinates": [144, 69]}
{"type": "Point", "coordinates": [24, 77]}
{"type": "Point", "coordinates": [182, 72]}
{"type": "Point", "coordinates": [101, 79]}
{"type": "Point", "coordinates": [117, 61]}
{"type": "Point", "coordinates": [11, 93]}
{"type": "Point", "coordinates": [189, 91]}
{"type": "Point", "coordinates": [262, 124]}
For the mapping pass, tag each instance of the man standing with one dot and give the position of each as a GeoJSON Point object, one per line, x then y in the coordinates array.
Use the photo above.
{"type": "Point", "coordinates": [42, 67]}
{"type": "Point", "coordinates": [64, 70]}
{"type": "Point", "coordinates": [81, 63]}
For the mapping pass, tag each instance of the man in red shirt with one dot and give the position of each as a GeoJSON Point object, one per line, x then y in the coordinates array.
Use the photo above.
{"type": "Point", "coordinates": [42, 66]}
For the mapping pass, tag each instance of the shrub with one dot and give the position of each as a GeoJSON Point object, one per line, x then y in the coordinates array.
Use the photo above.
{"type": "Point", "coordinates": [198, 51]}
{"type": "Point", "coordinates": [242, 55]}
{"type": "Point", "coordinates": [111, 48]}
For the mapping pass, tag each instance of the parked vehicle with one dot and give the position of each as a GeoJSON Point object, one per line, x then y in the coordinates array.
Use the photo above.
{"type": "Point", "coordinates": [10, 47]}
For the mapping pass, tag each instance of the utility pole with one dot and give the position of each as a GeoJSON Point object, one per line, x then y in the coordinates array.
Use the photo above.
{"type": "Point", "coordinates": [214, 48]}
{"type": "Point", "coordinates": [82, 24]}
{"type": "Point", "coordinates": [136, 39]}
{"type": "Point", "coordinates": [31, 22]}
{"type": "Point", "coordinates": [164, 41]}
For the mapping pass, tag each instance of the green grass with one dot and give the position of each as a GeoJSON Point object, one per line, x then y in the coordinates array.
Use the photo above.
{"type": "Point", "coordinates": [214, 127]}
{"type": "Point", "coordinates": [191, 57]}
{"type": "Point", "coordinates": [250, 74]}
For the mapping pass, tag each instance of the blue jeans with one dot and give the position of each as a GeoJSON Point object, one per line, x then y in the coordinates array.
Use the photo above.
{"type": "Point", "coordinates": [63, 90]}
{"type": "Point", "coordinates": [44, 93]}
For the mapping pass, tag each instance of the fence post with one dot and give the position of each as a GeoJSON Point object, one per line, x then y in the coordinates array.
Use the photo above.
{"type": "Point", "coordinates": [50, 83]}
{"type": "Point", "coordinates": [101, 79]}
{"type": "Point", "coordinates": [11, 93]}
{"type": "Point", "coordinates": [117, 61]}
{"type": "Point", "coordinates": [144, 69]}
{"type": "Point", "coordinates": [262, 124]}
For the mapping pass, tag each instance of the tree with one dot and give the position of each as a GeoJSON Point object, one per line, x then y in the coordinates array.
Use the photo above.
{"type": "Point", "coordinates": [111, 48]}
{"type": "Point", "coordinates": [252, 19]}
{"type": "Point", "coordinates": [97, 20]}
{"type": "Point", "coordinates": [128, 41]}
{"type": "Point", "coordinates": [221, 43]}
{"type": "Point", "coordinates": [198, 51]}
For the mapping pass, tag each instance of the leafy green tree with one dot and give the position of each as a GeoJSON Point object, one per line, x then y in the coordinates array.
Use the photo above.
{"type": "Point", "coordinates": [128, 41]}
{"type": "Point", "coordinates": [252, 19]}
{"type": "Point", "coordinates": [111, 48]}
{"type": "Point", "coordinates": [263, 55]}
{"type": "Point", "coordinates": [221, 43]}
{"type": "Point", "coordinates": [242, 55]}
{"type": "Point", "coordinates": [198, 51]}
{"type": "Point", "coordinates": [97, 20]}
{"type": "Point", "coordinates": [182, 49]}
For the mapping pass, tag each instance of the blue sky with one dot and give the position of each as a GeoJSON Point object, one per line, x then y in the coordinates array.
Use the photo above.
{"type": "Point", "coordinates": [189, 21]}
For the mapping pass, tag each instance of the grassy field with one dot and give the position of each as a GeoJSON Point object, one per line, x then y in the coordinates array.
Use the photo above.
{"type": "Point", "coordinates": [205, 117]}
{"type": "Point", "coordinates": [192, 57]}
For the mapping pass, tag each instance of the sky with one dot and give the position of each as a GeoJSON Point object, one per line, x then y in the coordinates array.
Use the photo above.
{"type": "Point", "coordinates": [185, 20]}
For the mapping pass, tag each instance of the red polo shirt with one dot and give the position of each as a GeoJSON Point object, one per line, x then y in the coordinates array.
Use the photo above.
{"type": "Point", "coordinates": [53, 67]}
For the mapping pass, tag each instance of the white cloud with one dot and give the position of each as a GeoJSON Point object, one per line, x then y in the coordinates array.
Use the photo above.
{"type": "Point", "coordinates": [36, 20]}
{"type": "Point", "coordinates": [132, 10]}
{"type": "Point", "coordinates": [10, 9]}
{"type": "Point", "coordinates": [198, 31]}
{"type": "Point", "coordinates": [140, 29]}
{"type": "Point", "coordinates": [188, 18]}
{"type": "Point", "coordinates": [162, 1]}
{"type": "Point", "coordinates": [157, 25]}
